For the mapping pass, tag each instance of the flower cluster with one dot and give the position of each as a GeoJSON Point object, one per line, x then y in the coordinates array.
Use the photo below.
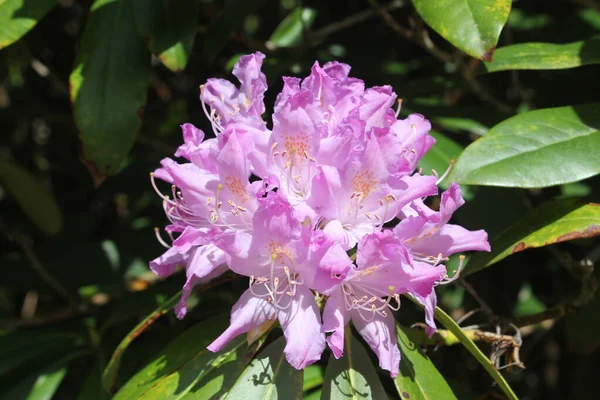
{"type": "Point", "coordinates": [326, 205]}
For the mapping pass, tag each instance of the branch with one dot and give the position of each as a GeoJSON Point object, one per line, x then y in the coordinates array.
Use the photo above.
{"type": "Point", "coordinates": [353, 20]}
{"type": "Point", "coordinates": [419, 37]}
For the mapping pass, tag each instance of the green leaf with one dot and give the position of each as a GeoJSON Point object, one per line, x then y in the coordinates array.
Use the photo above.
{"type": "Point", "coordinates": [230, 18]}
{"type": "Point", "coordinates": [17, 17]}
{"type": "Point", "coordinates": [180, 365]}
{"type": "Point", "coordinates": [289, 32]}
{"type": "Point", "coordinates": [418, 379]}
{"type": "Point", "coordinates": [35, 201]}
{"type": "Point", "coordinates": [169, 29]}
{"type": "Point", "coordinates": [313, 377]}
{"type": "Point", "coordinates": [535, 56]}
{"type": "Point", "coordinates": [439, 157]}
{"type": "Point", "coordinates": [352, 376]}
{"type": "Point", "coordinates": [535, 149]}
{"type": "Point", "coordinates": [473, 26]}
{"type": "Point", "coordinates": [20, 348]}
{"type": "Point", "coordinates": [449, 324]}
{"type": "Point", "coordinates": [109, 84]}
{"type": "Point", "coordinates": [42, 384]}
{"type": "Point", "coordinates": [269, 376]}
{"type": "Point", "coordinates": [224, 373]}
{"type": "Point", "coordinates": [109, 377]}
{"type": "Point", "coordinates": [92, 386]}
{"type": "Point", "coordinates": [551, 223]}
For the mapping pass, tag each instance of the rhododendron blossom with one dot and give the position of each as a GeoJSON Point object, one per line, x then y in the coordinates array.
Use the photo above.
{"type": "Point", "coordinates": [285, 207]}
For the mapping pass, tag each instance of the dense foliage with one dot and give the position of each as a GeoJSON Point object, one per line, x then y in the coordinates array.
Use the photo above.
{"type": "Point", "coordinates": [92, 96]}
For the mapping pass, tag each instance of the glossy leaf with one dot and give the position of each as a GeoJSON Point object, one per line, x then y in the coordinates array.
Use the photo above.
{"type": "Point", "coordinates": [473, 26]}
{"type": "Point", "coordinates": [169, 29]}
{"type": "Point", "coordinates": [109, 84]}
{"type": "Point", "coordinates": [224, 372]}
{"type": "Point", "coordinates": [535, 56]}
{"type": "Point", "coordinates": [180, 365]}
{"type": "Point", "coordinates": [35, 201]}
{"type": "Point", "coordinates": [289, 32]}
{"type": "Point", "coordinates": [17, 17]}
{"type": "Point", "coordinates": [551, 223]}
{"type": "Point", "coordinates": [352, 376]}
{"type": "Point", "coordinates": [418, 379]}
{"type": "Point", "coordinates": [313, 377]}
{"type": "Point", "coordinates": [268, 377]}
{"type": "Point", "coordinates": [535, 149]}
{"type": "Point", "coordinates": [109, 377]}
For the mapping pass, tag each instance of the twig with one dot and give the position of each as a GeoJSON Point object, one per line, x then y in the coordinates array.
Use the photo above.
{"type": "Point", "coordinates": [353, 20]}
{"type": "Point", "coordinates": [420, 38]}
{"type": "Point", "coordinates": [485, 307]}
{"type": "Point", "coordinates": [57, 316]}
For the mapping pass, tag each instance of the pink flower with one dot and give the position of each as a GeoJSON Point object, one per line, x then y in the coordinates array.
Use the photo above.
{"type": "Point", "coordinates": [283, 207]}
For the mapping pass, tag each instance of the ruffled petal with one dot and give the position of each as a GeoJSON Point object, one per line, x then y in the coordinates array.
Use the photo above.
{"type": "Point", "coordinates": [166, 264]}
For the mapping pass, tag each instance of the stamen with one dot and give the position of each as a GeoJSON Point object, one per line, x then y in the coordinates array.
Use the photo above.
{"type": "Point", "coordinates": [399, 107]}
{"type": "Point", "coordinates": [441, 178]}
{"type": "Point", "coordinates": [160, 239]}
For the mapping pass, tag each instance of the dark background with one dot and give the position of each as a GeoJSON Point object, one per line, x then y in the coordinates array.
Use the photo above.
{"type": "Point", "coordinates": [100, 257]}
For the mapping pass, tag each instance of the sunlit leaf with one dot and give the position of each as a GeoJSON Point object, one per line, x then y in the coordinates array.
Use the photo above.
{"type": "Point", "coordinates": [169, 28]}
{"type": "Point", "coordinates": [180, 365]}
{"type": "Point", "coordinates": [535, 149]}
{"type": "Point", "coordinates": [35, 201]}
{"type": "Point", "coordinates": [418, 379]}
{"type": "Point", "coordinates": [473, 26]}
{"type": "Point", "coordinates": [268, 377]}
{"type": "Point", "coordinates": [289, 32]}
{"type": "Point", "coordinates": [17, 17]}
{"type": "Point", "coordinates": [551, 223]}
{"type": "Point", "coordinates": [109, 84]}
{"type": "Point", "coordinates": [109, 377]}
{"type": "Point", "coordinates": [352, 376]}
{"type": "Point", "coordinates": [534, 56]}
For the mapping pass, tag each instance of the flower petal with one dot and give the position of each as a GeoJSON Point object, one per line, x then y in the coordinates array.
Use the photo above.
{"type": "Point", "coordinates": [166, 264]}
{"type": "Point", "coordinates": [207, 263]}
{"type": "Point", "coordinates": [302, 328]}
{"type": "Point", "coordinates": [249, 312]}
{"type": "Point", "coordinates": [335, 318]}
{"type": "Point", "coordinates": [380, 335]}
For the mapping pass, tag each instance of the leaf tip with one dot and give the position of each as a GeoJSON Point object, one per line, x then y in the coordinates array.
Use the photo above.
{"type": "Point", "coordinates": [489, 54]}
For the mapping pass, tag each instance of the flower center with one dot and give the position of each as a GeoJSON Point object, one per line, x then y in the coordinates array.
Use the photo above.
{"type": "Point", "coordinates": [363, 299]}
